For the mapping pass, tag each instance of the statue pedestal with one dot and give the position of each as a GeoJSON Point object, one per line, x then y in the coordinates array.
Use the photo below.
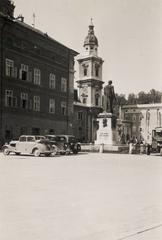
{"type": "Point", "coordinates": [106, 134]}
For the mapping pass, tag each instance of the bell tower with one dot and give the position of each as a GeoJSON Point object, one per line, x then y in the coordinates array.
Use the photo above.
{"type": "Point", "coordinates": [90, 72]}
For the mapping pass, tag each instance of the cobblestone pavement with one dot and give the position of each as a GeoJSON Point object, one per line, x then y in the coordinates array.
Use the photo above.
{"type": "Point", "coordinates": [89, 196]}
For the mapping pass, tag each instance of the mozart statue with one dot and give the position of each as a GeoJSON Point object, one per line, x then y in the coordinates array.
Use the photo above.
{"type": "Point", "coordinates": [109, 97]}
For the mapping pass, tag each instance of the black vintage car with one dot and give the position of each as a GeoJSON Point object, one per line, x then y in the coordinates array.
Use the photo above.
{"type": "Point", "coordinates": [58, 146]}
{"type": "Point", "coordinates": [70, 143]}
{"type": "Point", "coordinates": [64, 144]}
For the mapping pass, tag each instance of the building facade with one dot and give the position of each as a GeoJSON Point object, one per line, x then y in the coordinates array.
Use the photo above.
{"type": "Point", "coordinates": [90, 83]}
{"type": "Point", "coordinates": [36, 80]}
{"type": "Point", "coordinates": [143, 118]}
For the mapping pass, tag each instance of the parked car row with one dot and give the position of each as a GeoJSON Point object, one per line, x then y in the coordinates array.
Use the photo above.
{"type": "Point", "coordinates": [47, 145]}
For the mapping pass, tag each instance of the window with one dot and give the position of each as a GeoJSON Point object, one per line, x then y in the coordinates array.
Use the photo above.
{"type": "Point", "coordinates": [140, 118]}
{"type": "Point", "coordinates": [24, 100]}
{"type": "Point", "coordinates": [134, 118]}
{"type": "Point", "coordinates": [80, 115]}
{"type": "Point", "coordinates": [63, 108]}
{"type": "Point", "coordinates": [80, 129]}
{"type": "Point", "coordinates": [84, 100]}
{"type": "Point", "coordinates": [37, 76]}
{"type": "Point", "coordinates": [36, 105]}
{"type": "Point", "coordinates": [24, 45]}
{"type": "Point", "coordinates": [53, 57]}
{"type": "Point", "coordinates": [97, 66]}
{"type": "Point", "coordinates": [23, 130]}
{"type": "Point", "coordinates": [10, 69]}
{"type": "Point", "coordinates": [10, 100]}
{"type": "Point", "coordinates": [97, 71]}
{"type": "Point", "coordinates": [51, 131]}
{"type": "Point", "coordinates": [64, 61]}
{"type": "Point", "coordinates": [8, 131]}
{"type": "Point", "coordinates": [37, 50]}
{"type": "Point", "coordinates": [22, 139]}
{"type": "Point", "coordinates": [9, 39]}
{"type": "Point", "coordinates": [63, 85]}
{"type": "Point", "coordinates": [96, 100]}
{"type": "Point", "coordinates": [97, 95]}
{"type": "Point", "coordinates": [52, 83]}
{"type": "Point", "coordinates": [85, 71]}
{"type": "Point", "coordinates": [52, 106]}
{"type": "Point", "coordinates": [24, 73]}
{"type": "Point", "coordinates": [134, 128]}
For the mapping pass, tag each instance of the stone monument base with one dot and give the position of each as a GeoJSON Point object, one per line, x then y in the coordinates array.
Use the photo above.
{"type": "Point", "coordinates": [107, 134]}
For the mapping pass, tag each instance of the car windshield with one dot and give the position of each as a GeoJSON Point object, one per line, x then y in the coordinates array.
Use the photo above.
{"type": "Point", "coordinates": [51, 138]}
{"type": "Point", "coordinates": [72, 139]}
{"type": "Point", "coordinates": [39, 137]}
{"type": "Point", "coordinates": [61, 139]}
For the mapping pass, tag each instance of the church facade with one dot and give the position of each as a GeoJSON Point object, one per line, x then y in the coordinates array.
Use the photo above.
{"type": "Point", "coordinates": [90, 84]}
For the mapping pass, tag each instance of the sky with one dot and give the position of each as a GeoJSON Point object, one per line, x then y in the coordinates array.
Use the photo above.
{"type": "Point", "coordinates": [129, 34]}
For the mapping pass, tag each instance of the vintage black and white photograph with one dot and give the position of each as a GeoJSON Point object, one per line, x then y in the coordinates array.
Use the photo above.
{"type": "Point", "coordinates": [81, 119]}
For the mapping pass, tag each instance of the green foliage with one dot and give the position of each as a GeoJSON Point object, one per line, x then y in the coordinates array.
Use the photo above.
{"type": "Point", "coordinates": [141, 98]}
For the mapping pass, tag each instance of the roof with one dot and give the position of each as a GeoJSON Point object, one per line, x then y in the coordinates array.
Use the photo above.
{"type": "Point", "coordinates": [91, 38]}
{"type": "Point", "coordinates": [45, 35]}
{"type": "Point", "coordinates": [151, 105]}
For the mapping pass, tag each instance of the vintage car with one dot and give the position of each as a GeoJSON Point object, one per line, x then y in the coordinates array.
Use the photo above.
{"type": "Point", "coordinates": [70, 143]}
{"type": "Point", "coordinates": [29, 144]}
{"type": "Point", "coordinates": [58, 147]}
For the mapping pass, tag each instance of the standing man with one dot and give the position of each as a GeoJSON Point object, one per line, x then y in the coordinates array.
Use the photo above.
{"type": "Point", "coordinates": [109, 96]}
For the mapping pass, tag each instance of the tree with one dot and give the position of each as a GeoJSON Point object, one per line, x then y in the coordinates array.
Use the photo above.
{"type": "Point", "coordinates": [155, 96]}
{"type": "Point", "coordinates": [132, 99]}
{"type": "Point", "coordinates": [143, 98]}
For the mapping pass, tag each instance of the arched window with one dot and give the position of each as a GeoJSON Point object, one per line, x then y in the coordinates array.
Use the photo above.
{"type": "Point", "coordinates": [85, 71]}
{"type": "Point", "coordinates": [134, 118]}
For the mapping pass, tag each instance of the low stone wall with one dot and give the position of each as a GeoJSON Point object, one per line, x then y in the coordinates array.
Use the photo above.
{"type": "Point", "coordinates": [105, 148]}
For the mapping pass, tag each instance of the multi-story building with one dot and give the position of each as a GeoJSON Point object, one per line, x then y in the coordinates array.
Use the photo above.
{"type": "Point", "coordinates": [143, 118]}
{"type": "Point", "coordinates": [36, 79]}
{"type": "Point", "coordinates": [90, 89]}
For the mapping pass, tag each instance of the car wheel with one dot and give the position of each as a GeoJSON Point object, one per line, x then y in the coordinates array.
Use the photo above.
{"type": "Point", "coordinates": [36, 153]}
{"type": "Point", "coordinates": [48, 154]}
{"type": "Point", "coordinates": [6, 151]}
{"type": "Point", "coordinates": [63, 153]}
{"type": "Point", "coordinates": [148, 150]}
{"type": "Point", "coordinates": [17, 153]}
{"type": "Point", "coordinates": [54, 152]}
{"type": "Point", "coordinates": [75, 151]}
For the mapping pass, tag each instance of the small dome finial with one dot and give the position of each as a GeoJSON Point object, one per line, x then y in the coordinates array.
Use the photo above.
{"type": "Point", "coordinates": [91, 22]}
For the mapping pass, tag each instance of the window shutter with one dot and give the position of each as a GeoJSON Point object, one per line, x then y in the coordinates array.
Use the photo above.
{"type": "Point", "coordinates": [29, 76]}
{"type": "Point", "coordinates": [14, 72]}
{"type": "Point", "coordinates": [20, 74]}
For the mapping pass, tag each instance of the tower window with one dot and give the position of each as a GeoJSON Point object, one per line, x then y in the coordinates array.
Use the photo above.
{"type": "Point", "coordinates": [85, 71]}
{"type": "Point", "coordinates": [97, 66]}
{"type": "Point", "coordinates": [80, 115]}
{"type": "Point", "coordinates": [97, 72]}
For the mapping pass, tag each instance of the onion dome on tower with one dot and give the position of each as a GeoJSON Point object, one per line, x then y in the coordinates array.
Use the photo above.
{"type": "Point", "coordinates": [91, 42]}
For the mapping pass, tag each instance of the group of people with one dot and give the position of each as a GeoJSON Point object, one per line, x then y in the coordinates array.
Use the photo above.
{"type": "Point", "coordinates": [137, 146]}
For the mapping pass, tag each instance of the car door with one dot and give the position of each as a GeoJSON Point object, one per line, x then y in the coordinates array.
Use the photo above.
{"type": "Point", "coordinates": [30, 144]}
{"type": "Point", "coordinates": [21, 145]}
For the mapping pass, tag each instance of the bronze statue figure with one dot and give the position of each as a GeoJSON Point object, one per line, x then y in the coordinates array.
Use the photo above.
{"type": "Point", "coordinates": [109, 96]}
